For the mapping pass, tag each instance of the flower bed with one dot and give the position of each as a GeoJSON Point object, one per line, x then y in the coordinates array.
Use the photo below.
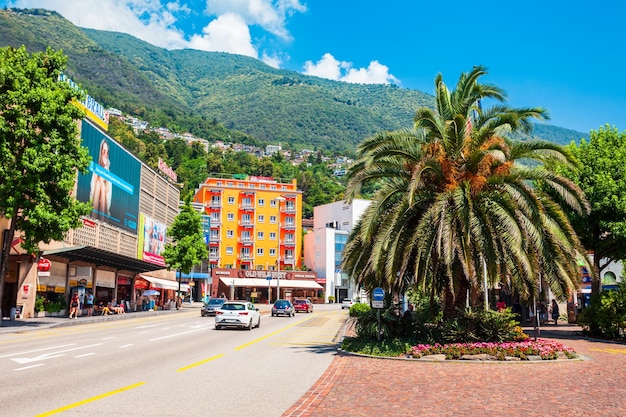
{"type": "Point", "coordinates": [546, 349]}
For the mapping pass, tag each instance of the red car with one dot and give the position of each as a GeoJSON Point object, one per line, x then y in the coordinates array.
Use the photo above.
{"type": "Point", "coordinates": [303, 305]}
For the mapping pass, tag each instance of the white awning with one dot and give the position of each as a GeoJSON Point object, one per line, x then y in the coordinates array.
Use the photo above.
{"type": "Point", "coordinates": [263, 283]}
{"type": "Point", "coordinates": [165, 284]}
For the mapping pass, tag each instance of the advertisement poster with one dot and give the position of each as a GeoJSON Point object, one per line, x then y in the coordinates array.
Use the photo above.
{"type": "Point", "coordinates": [152, 240]}
{"type": "Point", "coordinates": [113, 180]}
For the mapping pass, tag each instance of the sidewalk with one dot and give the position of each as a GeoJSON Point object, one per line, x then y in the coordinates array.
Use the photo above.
{"type": "Point", "coordinates": [362, 386]}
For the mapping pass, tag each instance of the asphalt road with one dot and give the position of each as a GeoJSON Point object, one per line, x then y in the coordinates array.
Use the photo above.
{"type": "Point", "coordinates": [170, 365]}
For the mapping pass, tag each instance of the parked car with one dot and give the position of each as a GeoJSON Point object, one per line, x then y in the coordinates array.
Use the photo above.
{"type": "Point", "coordinates": [238, 314]}
{"type": "Point", "coordinates": [212, 305]}
{"type": "Point", "coordinates": [347, 303]}
{"type": "Point", "coordinates": [302, 304]}
{"type": "Point", "coordinates": [283, 308]}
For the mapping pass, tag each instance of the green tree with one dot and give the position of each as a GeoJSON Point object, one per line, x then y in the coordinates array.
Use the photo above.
{"type": "Point", "coordinates": [188, 248]}
{"type": "Point", "coordinates": [602, 177]}
{"type": "Point", "coordinates": [454, 199]}
{"type": "Point", "coordinates": [40, 151]}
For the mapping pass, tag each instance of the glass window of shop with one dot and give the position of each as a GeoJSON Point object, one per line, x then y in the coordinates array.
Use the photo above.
{"type": "Point", "coordinates": [124, 288]}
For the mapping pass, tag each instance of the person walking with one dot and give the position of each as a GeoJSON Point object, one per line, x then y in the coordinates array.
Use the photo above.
{"type": "Point", "coordinates": [74, 306]}
{"type": "Point", "coordinates": [555, 311]}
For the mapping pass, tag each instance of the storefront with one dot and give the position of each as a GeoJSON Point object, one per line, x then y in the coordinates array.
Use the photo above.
{"type": "Point", "coordinates": [264, 286]}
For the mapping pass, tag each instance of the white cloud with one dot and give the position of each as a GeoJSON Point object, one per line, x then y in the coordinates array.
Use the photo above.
{"type": "Point", "coordinates": [272, 61]}
{"type": "Point", "coordinates": [271, 16]}
{"type": "Point", "coordinates": [227, 33]}
{"type": "Point", "coordinates": [145, 19]}
{"type": "Point", "coordinates": [332, 69]}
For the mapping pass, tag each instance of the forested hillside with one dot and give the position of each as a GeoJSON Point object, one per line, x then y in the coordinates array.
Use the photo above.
{"type": "Point", "coordinates": [219, 95]}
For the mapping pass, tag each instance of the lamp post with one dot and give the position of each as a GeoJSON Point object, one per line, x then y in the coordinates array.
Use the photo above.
{"type": "Point", "coordinates": [279, 199]}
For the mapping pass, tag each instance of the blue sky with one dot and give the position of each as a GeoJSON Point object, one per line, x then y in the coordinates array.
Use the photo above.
{"type": "Point", "coordinates": [566, 56]}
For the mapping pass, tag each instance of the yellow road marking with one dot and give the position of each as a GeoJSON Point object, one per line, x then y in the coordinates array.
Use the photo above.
{"type": "Point", "coordinates": [193, 365]}
{"type": "Point", "coordinates": [90, 400]}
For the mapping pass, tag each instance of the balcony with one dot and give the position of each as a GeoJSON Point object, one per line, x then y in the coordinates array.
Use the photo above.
{"type": "Point", "coordinates": [214, 257]}
{"type": "Point", "coordinates": [245, 257]}
{"type": "Point", "coordinates": [246, 207]}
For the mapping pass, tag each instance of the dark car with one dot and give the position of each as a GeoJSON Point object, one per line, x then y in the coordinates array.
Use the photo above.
{"type": "Point", "coordinates": [212, 305]}
{"type": "Point", "coordinates": [304, 305]}
{"type": "Point", "coordinates": [283, 308]}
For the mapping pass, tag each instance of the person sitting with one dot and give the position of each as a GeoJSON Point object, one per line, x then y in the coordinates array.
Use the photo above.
{"type": "Point", "coordinates": [104, 308]}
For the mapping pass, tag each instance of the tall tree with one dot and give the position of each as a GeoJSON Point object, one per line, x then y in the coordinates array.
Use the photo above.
{"type": "Point", "coordinates": [188, 247]}
{"type": "Point", "coordinates": [40, 150]}
{"type": "Point", "coordinates": [453, 200]}
{"type": "Point", "coordinates": [602, 177]}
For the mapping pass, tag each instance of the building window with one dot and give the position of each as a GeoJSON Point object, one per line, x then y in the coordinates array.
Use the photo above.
{"type": "Point", "coordinates": [261, 218]}
{"type": "Point", "coordinates": [230, 217]}
{"type": "Point", "coordinates": [260, 235]}
{"type": "Point", "coordinates": [261, 202]}
{"type": "Point", "coordinates": [231, 200]}
{"type": "Point", "coordinates": [273, 252]}
{"type": "Point", "coordinates": [273, 219]}
{"type": "Point", "coordinates": [230, 233]}
{"type": "Point", "coordinates": [245, 219]}
{"type": "Point", "coordinates": [259, 251]}
{"type": "Point", "coordinates": [272, 235]}
{"type": "Point", "coordinates": [229, 250]}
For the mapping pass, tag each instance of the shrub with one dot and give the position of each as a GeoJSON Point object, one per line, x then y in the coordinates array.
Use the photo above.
{"type": "Point", "coordinates": [359, 309]}
{"type": "Point", "coordinates": [40, 304]}
{"type": "Point", "coordinates": [607, 313]}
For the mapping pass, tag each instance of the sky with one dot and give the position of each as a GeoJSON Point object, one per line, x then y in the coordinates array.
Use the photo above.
{"type": "Point", "coordinates": [566, 56]}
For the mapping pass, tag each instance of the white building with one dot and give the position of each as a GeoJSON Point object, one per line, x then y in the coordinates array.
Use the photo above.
{"type": "Point", "coordinates": [323, 246]}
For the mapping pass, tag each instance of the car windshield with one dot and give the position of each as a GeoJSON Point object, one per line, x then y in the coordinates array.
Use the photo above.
{"type": "Point", "coordinates": [347, 300]}
{"type": "Point", "coordinates": [300, 301]}
{"type": "Point", "coordinates": [281, 303]}
{"type": "Point", "coordinates": [233, 307]}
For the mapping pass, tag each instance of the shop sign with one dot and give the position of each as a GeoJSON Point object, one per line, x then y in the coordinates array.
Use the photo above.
{"type": "Point", "coordinates": [25, 290]}
{"type": "Point", "coordinates": [43, 267]}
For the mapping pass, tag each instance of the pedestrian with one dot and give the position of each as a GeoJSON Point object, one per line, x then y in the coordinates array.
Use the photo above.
{"type": "Point", "coordinates": [89, 304]}
{"type": "Point", "coordinates": [543, 313]}
{"type": "Point", "coordinates": [555, 311]}
{"type": "Point", "coordinates": [74, 306]}
{"type": "Point", "coordinates": [501, 304]}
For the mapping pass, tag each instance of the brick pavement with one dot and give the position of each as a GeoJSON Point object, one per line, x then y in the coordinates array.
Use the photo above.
{"type": "Point", "coordinates": [359, 386]}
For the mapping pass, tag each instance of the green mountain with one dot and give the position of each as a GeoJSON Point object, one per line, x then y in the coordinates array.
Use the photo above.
{"type": "Point", "coordinates": [220, 95]}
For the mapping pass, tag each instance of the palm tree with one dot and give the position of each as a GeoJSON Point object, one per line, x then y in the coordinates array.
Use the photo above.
{"type": "Point", "coordinates": [453, 198]}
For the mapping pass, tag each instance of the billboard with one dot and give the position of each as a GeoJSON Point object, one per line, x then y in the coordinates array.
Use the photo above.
{"type": "Point", "coordinates": [152, 240]}
{"type": "Point", "coordinates": [113, 180]}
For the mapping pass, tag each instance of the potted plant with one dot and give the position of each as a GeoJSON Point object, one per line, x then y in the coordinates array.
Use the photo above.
{"type": "Point", "coordinates": [331, 299]}
{"type": "Point", "coordinates": [40, 306]}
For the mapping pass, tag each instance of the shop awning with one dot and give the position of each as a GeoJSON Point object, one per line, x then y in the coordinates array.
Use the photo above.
{"type": "Point", "coordinates": [263, 283]}
{"type": "Point", "coordinates": [165, 284]}
{"type": "Point", "coordinates": [102, 257]}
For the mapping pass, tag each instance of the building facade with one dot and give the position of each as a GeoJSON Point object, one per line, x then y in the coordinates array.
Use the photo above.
{"type": "Point", "coordinates": [332, 225]}
{"type": "Point", "coordinates": [253, 224]}
{"type": "Point", "coordinates": [123, 236]}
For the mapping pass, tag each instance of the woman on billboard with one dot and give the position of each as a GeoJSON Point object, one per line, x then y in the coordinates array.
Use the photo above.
{"type": "Point", "coordinates": [101, 188]}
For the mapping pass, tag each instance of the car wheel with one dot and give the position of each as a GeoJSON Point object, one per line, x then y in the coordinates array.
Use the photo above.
{"type": "Point", "coordinates": [258, 324]}
{"type": "Point", "coordinates": [218, 327]}
{"type": "Point", "coordinates": [249, 324]}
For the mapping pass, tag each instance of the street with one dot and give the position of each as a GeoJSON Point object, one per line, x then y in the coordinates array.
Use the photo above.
{"type": "Point", "coordinates": [170, 365]}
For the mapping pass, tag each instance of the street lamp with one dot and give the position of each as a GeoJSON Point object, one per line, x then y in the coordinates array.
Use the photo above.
{"type": "Point", "coordinates": [279, 199]}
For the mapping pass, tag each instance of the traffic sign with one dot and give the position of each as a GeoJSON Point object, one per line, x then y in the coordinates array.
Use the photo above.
{"type": "Point", "coordinates": [378, 304]}
{"type": "Point", "coordinates": [378, 294]}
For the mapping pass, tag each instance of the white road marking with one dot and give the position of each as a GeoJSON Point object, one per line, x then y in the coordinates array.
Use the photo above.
{"type": "Point", "coordinates": [51, 354]}
{"type": "Point", "coordinates": [128, 345]}
{"type": "Point", "coordinates": [29, 367]}
{"type": "Point", "coordinates": [173, 335]}
{"type": "Point", "coordinates": [86, 354]}
{"type": "Point", "coordinates": [36, 350]}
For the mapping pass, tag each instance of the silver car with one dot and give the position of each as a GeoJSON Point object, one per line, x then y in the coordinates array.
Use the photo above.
{"type": "Point", "coordinates": [238, 314]}
{"type": "Point", "coordinates": [211, 306]}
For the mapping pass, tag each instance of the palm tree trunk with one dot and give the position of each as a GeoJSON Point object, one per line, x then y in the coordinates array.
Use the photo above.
{"type": "Point", "coordinates": [454, 303]}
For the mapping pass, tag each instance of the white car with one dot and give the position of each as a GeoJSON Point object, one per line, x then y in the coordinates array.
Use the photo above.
{"type": "Point", "coordinates": [347, 303]}
{"type": "Point", "coordinates": [239, 314]}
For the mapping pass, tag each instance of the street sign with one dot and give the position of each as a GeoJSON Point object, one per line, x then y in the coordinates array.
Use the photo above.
{"type": "Point", "coordinates": [378, 294]}
{"type": "Point", "coordinates": [378, 304]}
{"type": "Point", "coordinates": [43, 265]}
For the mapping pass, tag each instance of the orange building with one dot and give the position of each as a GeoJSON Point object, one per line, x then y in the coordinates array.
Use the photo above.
{"type": "Point", "coordinates": [255, 222]}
